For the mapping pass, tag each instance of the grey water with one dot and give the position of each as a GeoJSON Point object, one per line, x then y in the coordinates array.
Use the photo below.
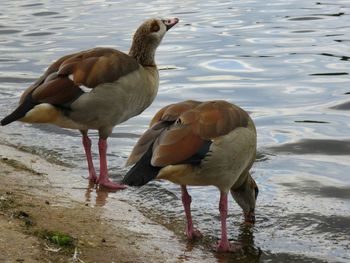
{"type": "Point", "coordinates": [286, 62]}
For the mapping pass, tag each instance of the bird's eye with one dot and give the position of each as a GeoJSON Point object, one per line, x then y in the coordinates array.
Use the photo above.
{"type": "Point", "coordinates": [178, 121]}
{"type": "Point", "coordinates": [155, 28]}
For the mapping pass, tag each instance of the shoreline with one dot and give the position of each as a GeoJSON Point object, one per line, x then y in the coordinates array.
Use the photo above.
{"type": "Point", "coordinates": [39, 198]}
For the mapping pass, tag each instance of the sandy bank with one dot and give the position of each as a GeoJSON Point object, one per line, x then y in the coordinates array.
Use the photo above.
{"type": "Point", "coordinates": [39, 199]}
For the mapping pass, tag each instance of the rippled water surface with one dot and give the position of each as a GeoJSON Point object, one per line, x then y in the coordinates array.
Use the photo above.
{"type": "Point", "coordinates": [286, 62]}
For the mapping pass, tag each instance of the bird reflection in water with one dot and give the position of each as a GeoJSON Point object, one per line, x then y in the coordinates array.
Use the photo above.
{"type": "Point", "coordinates": [249, 252]}
{"type": "Point", "coordinates": [246, 251]}
{"type": "Point", "coordinates": [100, 194]}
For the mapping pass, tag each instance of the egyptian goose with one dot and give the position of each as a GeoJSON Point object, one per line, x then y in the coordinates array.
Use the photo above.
{"type": "Point", "coordinates": [200, 143]}
{"type": "Point", "coordinates": [96, 89]}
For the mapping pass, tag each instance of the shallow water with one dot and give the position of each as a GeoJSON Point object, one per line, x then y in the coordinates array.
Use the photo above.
{"type": "Point", "coordinates": [286, 62]}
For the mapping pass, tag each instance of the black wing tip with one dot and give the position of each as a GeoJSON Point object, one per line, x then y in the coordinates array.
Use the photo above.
{"type": "Point", "coordinates": [142, 172]}
{"type": "Point", "coordinates": [28, 104]}
{"type": "Point", "coordinates": [8, 119]}
{"type": "Point", "coordinates": [4, 122]}
{"type": "Point", "coordinates": [130, 180]}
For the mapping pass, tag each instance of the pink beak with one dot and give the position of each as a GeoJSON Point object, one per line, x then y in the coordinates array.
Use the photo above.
{"type": "Point", "coordinates": [249, 218]}
{"type": "Point", "coordinates": [169, 23]}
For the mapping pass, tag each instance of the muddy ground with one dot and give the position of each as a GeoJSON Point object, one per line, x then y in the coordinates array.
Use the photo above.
{"type": "Point", "coordinates": [47, 216]}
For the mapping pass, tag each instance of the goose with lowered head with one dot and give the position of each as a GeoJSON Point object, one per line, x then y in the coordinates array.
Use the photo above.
{"type": "Point", "coordinates": [200, 143]}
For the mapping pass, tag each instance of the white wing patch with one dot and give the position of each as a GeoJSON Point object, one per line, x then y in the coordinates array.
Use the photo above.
{"type": "Point", "coordinates": [84, 88]}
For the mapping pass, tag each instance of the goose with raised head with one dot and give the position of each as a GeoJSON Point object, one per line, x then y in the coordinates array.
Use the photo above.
{"type": "Point", "coordinates": [200, 143]}
{"type": "Point", "coordinates": [96, 89]}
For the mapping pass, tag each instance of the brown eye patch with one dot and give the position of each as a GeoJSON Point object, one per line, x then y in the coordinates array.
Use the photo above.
{"type": "Point", "coordinates": [154, 27]}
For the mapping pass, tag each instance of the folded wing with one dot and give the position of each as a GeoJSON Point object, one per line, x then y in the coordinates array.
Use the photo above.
{"type": "Point", "coordinates": [61, 83]}
{"type": "Point", "coordinates": [182, 134]}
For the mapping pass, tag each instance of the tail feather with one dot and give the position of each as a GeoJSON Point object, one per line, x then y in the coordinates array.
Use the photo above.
{"type": "Point", "coordinates": [21, 111]}
{"type": "Point", "coordinates": [142, 172]}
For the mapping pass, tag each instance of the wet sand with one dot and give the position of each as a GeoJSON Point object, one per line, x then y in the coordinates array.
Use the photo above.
{"type": "Point", "coordinates": [38, 198]}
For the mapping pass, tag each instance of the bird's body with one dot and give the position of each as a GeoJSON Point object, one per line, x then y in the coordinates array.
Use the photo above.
{"type": "Point", "coordinates": [96, 89]}
{"type": "Point", "coordinates": [101, 107]}
{"type": "Point", "coordinates": [200, 143]}
{"type": "Point", "coordinates": [223, 170]}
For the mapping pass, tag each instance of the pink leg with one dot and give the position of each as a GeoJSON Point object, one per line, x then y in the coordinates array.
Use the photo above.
{"type": "Point", "coordinates": [87, 148]}
{"type": "Point", "coordinates": [191, 232]}
{"type": "Point", "coordinates": [224, 245]}
{"type": "Point", "coordinates": [103, 180]}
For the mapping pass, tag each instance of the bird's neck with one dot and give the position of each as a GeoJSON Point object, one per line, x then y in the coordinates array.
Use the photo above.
{"type": "Point", "coordinates": [143, 52]}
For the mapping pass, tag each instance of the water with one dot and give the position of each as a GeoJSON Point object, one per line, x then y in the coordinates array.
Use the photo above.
{"type": "Point", "coordinates": [286, 62]}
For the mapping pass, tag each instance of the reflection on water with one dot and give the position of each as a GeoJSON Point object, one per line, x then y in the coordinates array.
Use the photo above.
{"type": "Point", "coordinates": [314, 146]}
{"type": "Point", "coordinates": [96, 196]}
{"type": "Point", "coordinates": [342, 106]}
{"type": "Point", "coordinates": [223, 65]}
{"type": "Point", "coordinates": [318, 189]}
{"type": "Point", "coordinates": [286, 62]}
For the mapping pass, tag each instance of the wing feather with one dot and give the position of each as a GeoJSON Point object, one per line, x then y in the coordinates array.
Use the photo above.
{"type": "Point", "coordinates": [184, 139]}
{"type": "Point", "coordinates": [186, 129]}
{"type": "Point", "coordinates": [57, 91]}
{"type": "Point", "coordinates": [217, 118]}
{"type": "Point", "coordinates": [145, 141]}
{"type": "Point", "coordinates": [100, 65]}
{"type": "Point", "coordinates": [175, 145]}
{"type": "Point", "coordinates": [173, 111]}
{"type": "Point", "coordinates": [88, 68]}
{"type": "Point", "coordinates": [164, 118]}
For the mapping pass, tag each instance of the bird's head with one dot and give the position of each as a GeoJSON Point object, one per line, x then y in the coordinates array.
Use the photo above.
{"type": "Point", "coordinates": [149, 35]}
{"type": "Point", "coordinates": [246, 196]}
